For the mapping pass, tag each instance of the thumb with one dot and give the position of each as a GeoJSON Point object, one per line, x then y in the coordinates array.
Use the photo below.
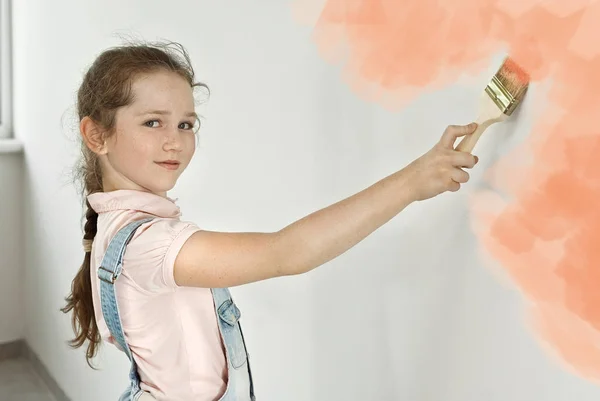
{"type": "Point", "coordinates": [454, 131]}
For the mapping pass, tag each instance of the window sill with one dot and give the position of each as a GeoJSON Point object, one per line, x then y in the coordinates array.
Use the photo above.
{"type": "Point", "coordinates": [10, 146]}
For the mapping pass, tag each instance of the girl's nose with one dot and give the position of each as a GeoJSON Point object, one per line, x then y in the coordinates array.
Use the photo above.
{"type": "Point", "coordinates": [172, 139]}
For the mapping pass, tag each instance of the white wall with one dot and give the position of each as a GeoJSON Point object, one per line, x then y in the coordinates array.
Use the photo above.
{"type": "Point", "coordinates": [407, 314]}
{"type": "Point", "coordinates": [11, 247]}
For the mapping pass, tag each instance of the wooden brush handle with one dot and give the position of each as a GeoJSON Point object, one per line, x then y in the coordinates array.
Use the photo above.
{"type": "Point", "coordinates": [489, 113]}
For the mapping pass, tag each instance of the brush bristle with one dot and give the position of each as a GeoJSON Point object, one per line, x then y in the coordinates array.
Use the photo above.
{"type": "Point", "coordinates": [514, 79]}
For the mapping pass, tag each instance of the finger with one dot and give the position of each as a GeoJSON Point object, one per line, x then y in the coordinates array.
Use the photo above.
{"type": "Point", "coordinates": [452, 132]}
{"type": "Point", "coordinates": [459, 176]}
{"type": "Point", "coordinates": [453, 186]}
{"type": "Point", "coordinates": [464, 159]}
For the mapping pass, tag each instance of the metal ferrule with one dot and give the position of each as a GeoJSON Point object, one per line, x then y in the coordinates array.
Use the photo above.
{"type": "Point", "coordinates": [501, 96]}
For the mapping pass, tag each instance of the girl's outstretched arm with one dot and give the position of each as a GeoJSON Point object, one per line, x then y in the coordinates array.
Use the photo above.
{"type": "Point", "coordinates": [215, 260]}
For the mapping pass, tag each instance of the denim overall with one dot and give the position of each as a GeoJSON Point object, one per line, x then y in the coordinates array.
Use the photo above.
{"type": "Point", "coordinates": [239, 387]}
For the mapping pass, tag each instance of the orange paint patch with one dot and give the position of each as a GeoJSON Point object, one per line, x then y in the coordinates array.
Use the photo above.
{"type": "Point", "coordinates": [546, 238]}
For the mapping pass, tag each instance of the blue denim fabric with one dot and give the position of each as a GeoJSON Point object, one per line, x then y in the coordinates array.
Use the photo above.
{"type": "Point", "coordinates": [239, 387]}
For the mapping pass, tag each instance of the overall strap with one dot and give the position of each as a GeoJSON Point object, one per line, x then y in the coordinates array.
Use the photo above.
{"type": "Point", "coordinates": [108, 272]}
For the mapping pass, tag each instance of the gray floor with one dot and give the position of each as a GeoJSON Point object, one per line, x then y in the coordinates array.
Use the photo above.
{"type": "Point", "coordinates": [18, 382]}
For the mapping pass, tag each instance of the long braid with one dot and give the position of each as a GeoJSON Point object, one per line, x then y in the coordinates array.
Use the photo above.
{"type": "Point", "coordinates": [80, 300]}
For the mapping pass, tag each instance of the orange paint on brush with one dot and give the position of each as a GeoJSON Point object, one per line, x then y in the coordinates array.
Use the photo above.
{"type": "Point", "coordinates": [546, 238]}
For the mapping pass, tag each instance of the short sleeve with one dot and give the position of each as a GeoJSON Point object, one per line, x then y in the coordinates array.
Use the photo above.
{"type": "Point", "coordinates": [173, 250]}
{"type": "Point", "coordinates": [150, 256]}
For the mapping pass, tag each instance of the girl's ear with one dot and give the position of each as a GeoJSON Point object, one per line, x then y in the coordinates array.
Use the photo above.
{"type": "Point", "coordinates": [93, 136]}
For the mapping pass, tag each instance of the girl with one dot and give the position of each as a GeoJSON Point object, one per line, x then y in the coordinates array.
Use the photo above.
{"type": "Point", "coordinates": [156, 286]}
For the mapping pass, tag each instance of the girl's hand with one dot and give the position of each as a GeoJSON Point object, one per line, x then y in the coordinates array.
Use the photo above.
{"type": "Point", "coordinates": [441, 168]}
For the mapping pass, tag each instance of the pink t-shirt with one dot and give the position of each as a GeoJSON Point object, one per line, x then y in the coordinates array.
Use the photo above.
{"type": "Point", "coordinates": [172, 331]}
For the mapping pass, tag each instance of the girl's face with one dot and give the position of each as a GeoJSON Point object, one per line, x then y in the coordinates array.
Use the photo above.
{"type": "Point", "coordinates": [154, 139]}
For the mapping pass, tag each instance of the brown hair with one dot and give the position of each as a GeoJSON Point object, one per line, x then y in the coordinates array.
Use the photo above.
{"type": "Point", "coordinates": [105, 88]}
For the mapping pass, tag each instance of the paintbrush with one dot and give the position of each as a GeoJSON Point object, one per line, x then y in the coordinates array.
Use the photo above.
{"type": "Point", "coordinates": [501, 97]}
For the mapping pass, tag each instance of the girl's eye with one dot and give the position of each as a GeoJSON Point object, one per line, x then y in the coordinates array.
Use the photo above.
{"type": "Point", "coordinates": [189, 126]}
{"type": "Point", "coordinates": [149, 123]}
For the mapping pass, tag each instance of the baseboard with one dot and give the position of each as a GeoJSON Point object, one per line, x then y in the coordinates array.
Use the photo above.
{"type": "Point", "coordinates": [11, 350]}
{"type": "Point", "coordinates": [20, 349]}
